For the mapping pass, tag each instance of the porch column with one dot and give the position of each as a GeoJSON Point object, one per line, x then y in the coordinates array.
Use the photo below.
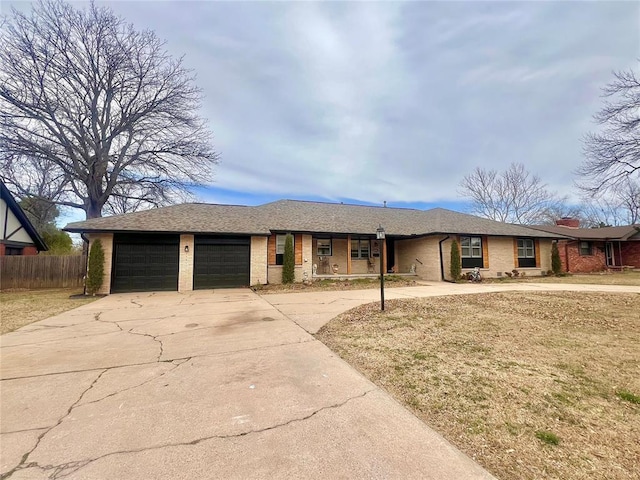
{"type": "Point", "coordinates": [348, 254]}
{"type": "Point", "coordinates": [384, 256]}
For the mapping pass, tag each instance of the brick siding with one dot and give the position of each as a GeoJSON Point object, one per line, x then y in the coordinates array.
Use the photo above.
{"type": "Point", "coordinates": [424, 253]}
{"type": "Point", "coordinates": [107, 246]}
{"type": "Point", "coordinates": [502, 257]}
{"type": "Point", "coordinates": [631, 253]}
{"type": "Point", "coordinates": [27, 250]}
{"type": "Point", "coordinates": [258, 273]}
{"type": "Point", "coordinates": [185, 263]}
{"type": "Point", "coordinates": [304, 249]}
{"type": "Point", "coordinates": [577, 263]}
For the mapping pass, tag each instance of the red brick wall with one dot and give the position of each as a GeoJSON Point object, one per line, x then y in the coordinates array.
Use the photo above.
{"type": "Point", "coordinates": [562, 249]}
{"type": "Point", "coordinates": [568, 222]}
{"type": "Point", "coordinates": [596, 262]}
{"type": "Point", "coordinates": [30, 250]}
{"type": "Point", "coordinates": [630, 253]}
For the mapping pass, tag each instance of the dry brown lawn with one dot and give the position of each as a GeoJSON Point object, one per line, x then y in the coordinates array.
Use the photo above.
{"type": "Point", "coordinates": [20, 308]}
{"type": "Point", "coordinates": [617, 278]}
{"type": "Point", "coordinates": [530, 385]}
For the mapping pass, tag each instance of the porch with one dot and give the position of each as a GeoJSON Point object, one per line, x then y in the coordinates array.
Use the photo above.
{"type": "Point", "coordinates": [362, 256]}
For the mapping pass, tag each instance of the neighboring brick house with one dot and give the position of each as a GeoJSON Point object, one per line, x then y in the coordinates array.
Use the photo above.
{"type": "Point", "coordinates": [18, 235]}
{"type": "Point", "coordinates": [197, 246]}
{"type": "Point", "coordinates": [596, 249]}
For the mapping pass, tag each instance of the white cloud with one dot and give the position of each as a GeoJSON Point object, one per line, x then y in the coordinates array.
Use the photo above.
{"type": "Point", "coordinates": [394, 101]}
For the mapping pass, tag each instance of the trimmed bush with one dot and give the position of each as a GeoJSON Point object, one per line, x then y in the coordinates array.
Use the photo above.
{"type": "Point", "coordinates": [456, 264]}
{"type": "Point", "coordinates": [556, 263]}
{"type": "Point", "coordinates": [288, 261]}
{"type": "Point", "coordinates": [95, 276]}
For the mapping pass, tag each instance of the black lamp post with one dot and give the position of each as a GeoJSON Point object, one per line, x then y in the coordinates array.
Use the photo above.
{"type": "Point", "coordinates": [380, 237]}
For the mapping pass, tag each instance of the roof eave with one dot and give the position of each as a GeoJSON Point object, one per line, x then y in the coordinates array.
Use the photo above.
{"type": "Point", "coordinates": [164, 232]}
{"type": "Point", "coordinates": [23, 219]}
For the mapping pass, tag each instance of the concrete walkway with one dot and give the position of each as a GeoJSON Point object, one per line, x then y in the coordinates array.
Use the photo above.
{"type": "Point", "coordinates": [312, 310]}
{"type": "Point", "coordinates": [210, 384]}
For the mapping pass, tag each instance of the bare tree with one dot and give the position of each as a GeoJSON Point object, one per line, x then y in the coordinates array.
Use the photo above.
{"type": "Point", "coordinates": [130, 197]}
{"type": "Point", "coordinates": [514, 195]}
{"type": "Point", "coordinates": [619, 205]}
{"type": "Point", "coordinates": [613, 154]}
{"type": "Point", "coordinates": [628, 193]}
{"type": "Point", "coordinates": [102, 109]}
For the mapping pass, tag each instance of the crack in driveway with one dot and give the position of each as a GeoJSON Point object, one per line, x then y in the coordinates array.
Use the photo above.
{"type": "Point", "coordinates": [169, 360]}
{"type": "Point", "coordinates": [117, 324]}
{"type": "Point", "coordinates": [118, 392]}
{"type": "Point", "coordinates": [35, 429]}
{"type": "Point", "coordinates": [68, 468]}
{"type": "Point", "coordinates": [22, 464]}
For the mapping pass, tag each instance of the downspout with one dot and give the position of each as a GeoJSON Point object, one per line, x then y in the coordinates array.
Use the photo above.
{"type": "Point", "coordinates": [442, 260]}
{"type": "Point", "coordinates": [85, 254]}
{"type": "Point", "coordinates": [566, 256]}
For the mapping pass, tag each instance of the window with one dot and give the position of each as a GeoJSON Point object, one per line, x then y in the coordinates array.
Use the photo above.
{"type": "Point", "coordinates": [585, 248]}
{"type": "Point", "coordinates": [280, 241]}
{"type": "Point", "coordinates": [360, 248]}
{"type": "Point", "coordinates": [526, 253]}
{"type": "Point", "coordinates": [13, 251]}
{"type": "Point", "coordinates": [471, 252]}
{"type": "Point", "coordinates": [324, 247]}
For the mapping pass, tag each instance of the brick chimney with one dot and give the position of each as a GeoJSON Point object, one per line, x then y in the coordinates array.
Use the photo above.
{"type": "Point", "coordinates": [568, 222]}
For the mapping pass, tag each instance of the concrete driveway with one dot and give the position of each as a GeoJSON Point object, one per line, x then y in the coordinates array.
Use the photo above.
{"type": "Point", "coordinates": [312, 310]}
{"type": "Point", "coordinates": [209, 384]}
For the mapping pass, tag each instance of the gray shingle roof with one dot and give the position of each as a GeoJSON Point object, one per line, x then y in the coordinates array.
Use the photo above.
{"type": "Point", "coordinates": [625, 232]}
{"type": "Point", "coordinates": [442, 220]}
{"type": "Point", "coordinates": [185, 218]}
{"type": "Point", "coordinates": [303, 216]}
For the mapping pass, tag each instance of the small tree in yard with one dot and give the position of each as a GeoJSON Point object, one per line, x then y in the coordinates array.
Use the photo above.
{"type": "Point", "coordinates": [96, 267]}
{"type": "Point", "coordinates": [288, 262]}
{"type": "Point", "coordinates": [556, 264]}
{"type": "Point", "coordinates": [456, 266]}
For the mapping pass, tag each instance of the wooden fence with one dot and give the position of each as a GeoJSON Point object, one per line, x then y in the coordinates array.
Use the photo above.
{"type": "Point", "coordinates": [41, 271]}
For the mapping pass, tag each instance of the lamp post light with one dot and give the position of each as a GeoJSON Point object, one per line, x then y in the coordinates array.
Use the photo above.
{"type": "Point", "coordinates": [380, 237]}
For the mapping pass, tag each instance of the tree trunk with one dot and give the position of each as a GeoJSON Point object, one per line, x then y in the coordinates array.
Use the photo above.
{"type": "Point", "coordinates": [93, 209]}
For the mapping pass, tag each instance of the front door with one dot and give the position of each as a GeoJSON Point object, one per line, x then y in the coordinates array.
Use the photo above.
{"type": "Point", "coordinates": [611, 261]}
{"type": "Point", "coordinates": [391, 254]}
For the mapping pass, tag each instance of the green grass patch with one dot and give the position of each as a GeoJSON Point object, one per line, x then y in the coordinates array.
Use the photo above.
{"type": "Point", "coordinates": [548, 438]}
{"type": "Point", "coordinates": [628, 396]}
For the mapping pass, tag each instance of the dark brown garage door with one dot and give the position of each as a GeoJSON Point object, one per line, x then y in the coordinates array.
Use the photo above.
{"type": "Point", "coordinates": [144, 263]}
{"type": "Point", "coordinates": [221, 262]}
